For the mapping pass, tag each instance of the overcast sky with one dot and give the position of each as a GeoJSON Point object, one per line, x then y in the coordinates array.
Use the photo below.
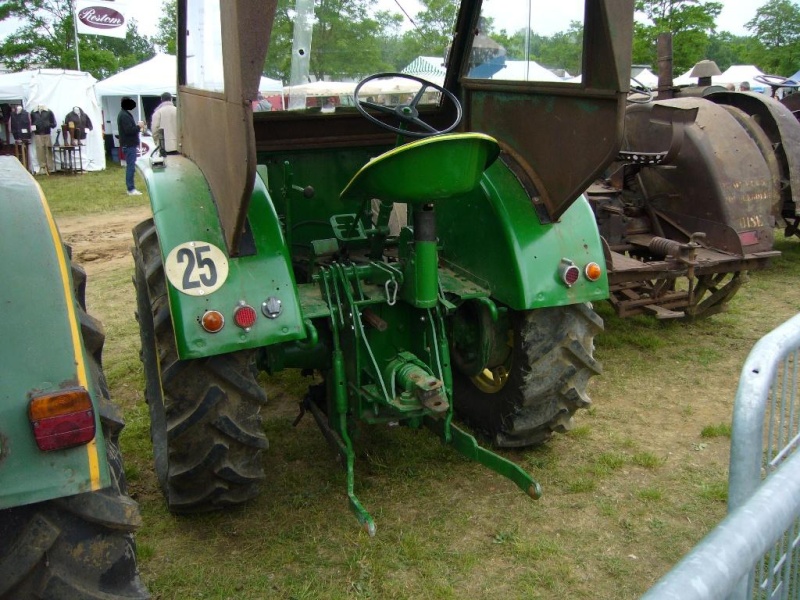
{"type": "Point", "coordinates": [735, 14]}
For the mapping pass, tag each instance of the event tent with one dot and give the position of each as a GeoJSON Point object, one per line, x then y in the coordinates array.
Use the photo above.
{"type": "Point", "coordinates": [734, 74]}
{"type": "Point", "coordinates": [60, 91]}
{"type": "Point", "coordinates": [520, 70]}
{"type": "Point", "coordinates": [146, 82]}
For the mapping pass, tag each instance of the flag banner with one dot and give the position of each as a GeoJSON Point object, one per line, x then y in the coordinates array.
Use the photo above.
{"type": "Point", "coordinates": [101, 17]}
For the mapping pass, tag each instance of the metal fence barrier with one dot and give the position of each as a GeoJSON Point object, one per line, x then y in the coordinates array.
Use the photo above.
{"type": "Point", "coordinates": [755, 551]}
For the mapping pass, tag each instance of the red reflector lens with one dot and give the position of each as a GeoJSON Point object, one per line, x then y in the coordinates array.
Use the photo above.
{"type": "Point", "coordinates": [65, 431]}
{"type": "Point", "coordinates": [245, 316]}
{"type": "Point", "coordinates": [212, 321]}
{"type": "Point", "coordinates": [571, 275]}
{"type": "Point", "coordinates": [748, 238]}
{"type": "Point", "coordinates": [63, 419]}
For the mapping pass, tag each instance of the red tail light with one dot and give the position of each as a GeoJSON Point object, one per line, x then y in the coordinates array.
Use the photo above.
{"type": "Point", "coordinates": [62, 419]}
{"type": "Point", "coordinates": [245, 316]}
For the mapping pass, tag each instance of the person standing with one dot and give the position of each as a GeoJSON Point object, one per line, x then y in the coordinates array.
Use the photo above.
{"type": "Point", "coordinates": [129, 131]}
{"type": "Point", "coordinates": [43, 121]}
{"type": "Point", "coordinates": [165, 125]}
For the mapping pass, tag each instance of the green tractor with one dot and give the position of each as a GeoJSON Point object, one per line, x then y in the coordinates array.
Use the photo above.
{"type": "Point", "coordinates": [421, 242]}
{"type": "Point", "coordinates": [66, 520]}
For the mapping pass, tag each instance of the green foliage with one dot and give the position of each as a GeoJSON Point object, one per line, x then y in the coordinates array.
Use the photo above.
{"type": "Point", "coordinates": [348, 40]}
{"type": "Point", "coordinates": [691, 23]}
{"type": "Point", "coordinates": [167, 36]}
{"type": "Point", "coordinates": [727, 49]}
{"type": "Point", "coordinates": [46, 39]}
{"type": "Point", "coordinates": [777, 27]}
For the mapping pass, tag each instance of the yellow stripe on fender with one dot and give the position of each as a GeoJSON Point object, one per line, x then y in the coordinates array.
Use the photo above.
{"type": "Point", "coordinates": [80, 363]}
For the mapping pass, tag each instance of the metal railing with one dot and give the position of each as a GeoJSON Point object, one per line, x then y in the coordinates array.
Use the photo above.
{"type": "Point", "coordinates": [755, 551]}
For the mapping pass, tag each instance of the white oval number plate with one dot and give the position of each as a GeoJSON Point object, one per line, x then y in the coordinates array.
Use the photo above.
{"type": "Point", "coordinates": [196, 268]}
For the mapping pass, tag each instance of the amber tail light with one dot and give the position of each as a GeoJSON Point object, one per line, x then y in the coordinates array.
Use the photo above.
{"type": "Point", "coordinates": [62, 419]}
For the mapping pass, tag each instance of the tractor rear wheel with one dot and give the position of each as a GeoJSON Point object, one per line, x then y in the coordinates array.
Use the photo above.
{"type": "Point", "coordinates": [205, 421]}
{"type": "Point", "coordinates": [80, 546]}
{"type": "Point", "coordinates": [540, 380]}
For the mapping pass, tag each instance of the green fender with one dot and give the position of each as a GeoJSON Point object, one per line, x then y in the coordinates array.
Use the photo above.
{"type": "Point", "coordinates": [494, 236]}
{"type": "Point", "coordinates": [42, 349]}
{"type": "Point", "coordinates": [185, 214]}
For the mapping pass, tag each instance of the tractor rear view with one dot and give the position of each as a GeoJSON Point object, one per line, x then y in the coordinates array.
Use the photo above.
{"type": "Point", "coordinates": [691, 203]}
{"type": "Point", "coordinates": [66, 519]}
{"type": "Point", "coordinates": [421, 244]}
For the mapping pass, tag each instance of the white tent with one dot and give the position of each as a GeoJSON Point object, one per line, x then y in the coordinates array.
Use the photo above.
{"type": "Point", "coordinates": [156, 76]}
{"type": "Point", "coordinates": [145, 83]}
{"type": "Point", "coordinates": [520, 70]}
{"type": "Point", "coordinates": [59, 91]}
{"type": "Point", "coordinates": [735, 74]}
{"type": "Point", "coordinates": [647, 77]}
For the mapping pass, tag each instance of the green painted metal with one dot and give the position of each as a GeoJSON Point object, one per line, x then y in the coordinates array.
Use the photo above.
{"type": "Point", "coordinates": [421, 274]}
{"type": "Point", "coordinates": [467, 445]}
{"type": "Point", "coordinates": [495, 235]}
{"type": "Point", "coordinates": [184, 211]}
{"type": "Point", "coordinates": [38, 353]}
{"type": "Point", "coordinates": [431, 169]}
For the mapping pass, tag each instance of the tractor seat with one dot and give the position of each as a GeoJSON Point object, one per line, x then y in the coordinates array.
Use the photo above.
{"type": "Point", "coordinates": [426, 170]}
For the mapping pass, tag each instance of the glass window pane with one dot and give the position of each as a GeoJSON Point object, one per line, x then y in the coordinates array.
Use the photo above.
{"type": "Point", "coordinates": [529, 40]}
{"type": "Point", "coordinates": [204, 45]}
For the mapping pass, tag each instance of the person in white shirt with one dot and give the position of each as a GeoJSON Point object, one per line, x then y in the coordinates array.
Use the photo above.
{"type": "Point", "coordinates": [165, 125]}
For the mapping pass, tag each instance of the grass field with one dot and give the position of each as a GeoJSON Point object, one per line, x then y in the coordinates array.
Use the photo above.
{"type": "Point", "coordinates": [639, 480]}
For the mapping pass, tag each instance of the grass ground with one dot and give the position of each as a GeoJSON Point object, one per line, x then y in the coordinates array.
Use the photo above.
{"type": "Point", "coordinates": [639, 480]}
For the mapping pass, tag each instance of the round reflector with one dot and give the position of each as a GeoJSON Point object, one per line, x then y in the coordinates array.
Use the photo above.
{"type": "Point", "coordinates": [245, 316]}
{"type": "Point", "coordinates": [212, 321]}
{"type": "Point", "coordinates": [593, 271]}
{"type": "Point", "coordinates": [571, 275]}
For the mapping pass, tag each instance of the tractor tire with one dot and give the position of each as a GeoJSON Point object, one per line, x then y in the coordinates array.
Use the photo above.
{"type": "Point", "coordinates": [205, 421]}
{"type": "Point", "coordinates": [79, 546]}
{"type": "Point", "coordinates": [542, 381]}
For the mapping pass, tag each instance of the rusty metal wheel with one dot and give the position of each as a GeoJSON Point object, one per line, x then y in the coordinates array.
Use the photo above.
{"type": "Point", "coordinates": [713, 292]}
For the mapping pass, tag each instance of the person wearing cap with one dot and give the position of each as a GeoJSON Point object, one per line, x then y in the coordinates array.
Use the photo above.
{"type": "Point", "coordinates": [129, 131]}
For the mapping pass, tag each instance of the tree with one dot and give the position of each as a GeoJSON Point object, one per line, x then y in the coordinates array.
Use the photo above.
{"type": "Point", "coordinates": [349, 40]}
{"type": "Point", "coordinates": [777, 27]}
{"type": "Point", "coordinates": [727, 49]}
{"type": "Point", "coordinates": [167, 36]}
{"type": "Point", "coordinates": [46, 39]}
{"type": "Point", "coordinates": [691, 23]}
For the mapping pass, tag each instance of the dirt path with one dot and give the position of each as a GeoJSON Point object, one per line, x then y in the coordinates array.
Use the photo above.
{"type": "Point", "coordinates": [102, 241]}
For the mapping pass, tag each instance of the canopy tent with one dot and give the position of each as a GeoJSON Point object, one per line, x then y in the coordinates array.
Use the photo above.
{"type": "Point", "coordinates": [60, 91]}
{"type": "Point", "coordinates": [735, 74]}
{"type": "Point", "coordinates": [156, 76]}
{"type": "Point", "coordinates": [647, 78]}
{"type": "Point", "coordinates": [322, 88]}
{"type": "Point", "coordinates": [520, 70]}
{"type": "Point", "coordinates": [146, 82]}
{"type": "Point", "coordinates": [427, 67]}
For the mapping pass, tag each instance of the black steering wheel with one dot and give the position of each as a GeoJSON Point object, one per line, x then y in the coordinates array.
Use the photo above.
{"type": "Point", "coordinates": [776, 81]}
{"type": "Point", "coordinates": [639, 94]}
{"type": "Point", "coordinates": [406, 113]}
